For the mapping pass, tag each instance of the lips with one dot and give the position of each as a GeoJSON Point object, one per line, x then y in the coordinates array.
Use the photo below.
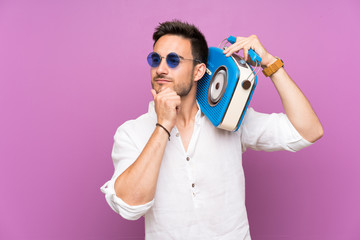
{"type": "Point", "coordinates": [162, 80]}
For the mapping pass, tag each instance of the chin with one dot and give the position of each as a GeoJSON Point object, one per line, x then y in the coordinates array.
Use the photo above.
{"type": "Point", "coordinates": [159, 87]}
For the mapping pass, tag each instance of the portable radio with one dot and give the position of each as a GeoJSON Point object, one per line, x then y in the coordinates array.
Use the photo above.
{"type": "Point", "coordinates": [225, 90]}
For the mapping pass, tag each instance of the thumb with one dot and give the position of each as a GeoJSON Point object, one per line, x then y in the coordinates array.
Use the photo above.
{"type": "Point", "coordinates": [153, 92]}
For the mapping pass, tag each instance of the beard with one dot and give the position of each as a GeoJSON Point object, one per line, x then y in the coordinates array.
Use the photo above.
{"type": "Point", "coordinates": [182, 89]}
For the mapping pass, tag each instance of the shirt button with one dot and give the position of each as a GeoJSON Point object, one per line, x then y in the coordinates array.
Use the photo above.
{"type": "Point", "coordinates": [177, 134]}
{"type": "Point", "coordinates": [187, 159]}
{"type": "Point", "coordinates": [193, 185]}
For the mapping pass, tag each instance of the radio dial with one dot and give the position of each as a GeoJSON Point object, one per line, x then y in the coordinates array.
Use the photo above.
{"type": "Point", "coordinates": [246, 84]}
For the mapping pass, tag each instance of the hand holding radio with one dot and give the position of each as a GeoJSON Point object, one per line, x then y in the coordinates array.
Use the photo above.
{"type": "Point", "coordinates": [167, 103]}
{"type": "Point", "coordinates": [247, 43]}
{"type": "Point", "coordinates": [219, 95]}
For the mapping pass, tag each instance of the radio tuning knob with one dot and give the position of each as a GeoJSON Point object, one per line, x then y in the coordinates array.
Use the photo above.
{"type": "Point", "coordinates": [246, 84]}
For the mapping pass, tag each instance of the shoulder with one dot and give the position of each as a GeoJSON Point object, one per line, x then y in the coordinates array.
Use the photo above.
{"type": "Point", "coordinates": [138, 123]}
{"type": "Point", "coordinates": [137, 130]}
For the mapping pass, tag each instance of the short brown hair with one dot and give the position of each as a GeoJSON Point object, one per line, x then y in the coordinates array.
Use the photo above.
{"type": "Point", "coordinates": [199, 47]}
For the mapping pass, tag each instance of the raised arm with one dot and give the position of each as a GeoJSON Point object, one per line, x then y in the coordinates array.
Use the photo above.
{"type": "Point", "coordinates": [137, 184]}
{"type": "Point", "coordinates": [296, 105]}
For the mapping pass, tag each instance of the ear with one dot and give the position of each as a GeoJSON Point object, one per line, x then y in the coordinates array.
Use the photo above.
{"type": "Point", "coordinates": [199, 71]}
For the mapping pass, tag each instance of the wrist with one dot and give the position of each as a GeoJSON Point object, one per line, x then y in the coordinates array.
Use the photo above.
{"type": "Point", "coordinates": [268, 60]}
{"type": "Point", "coordinates": [168, 125]}
{"type": "Point", "coordinates": [163, 128]}
{"type": "Point", "coordinates": [273, 68]}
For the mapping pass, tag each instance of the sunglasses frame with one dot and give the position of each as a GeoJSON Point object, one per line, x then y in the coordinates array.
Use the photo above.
{"type": "Point", "coordinates": [149, 58]}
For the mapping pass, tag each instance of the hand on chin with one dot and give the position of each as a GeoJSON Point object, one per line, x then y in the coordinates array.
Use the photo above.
{"type": "Point", "coordinates": [162, 87]}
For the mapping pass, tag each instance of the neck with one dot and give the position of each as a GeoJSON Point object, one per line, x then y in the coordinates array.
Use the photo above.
{"type": "Point", "coordinates": [188, 109]}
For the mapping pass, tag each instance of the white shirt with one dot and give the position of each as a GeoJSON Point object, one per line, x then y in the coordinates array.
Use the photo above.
{"type": "Point", "coordinates": [200, 193]}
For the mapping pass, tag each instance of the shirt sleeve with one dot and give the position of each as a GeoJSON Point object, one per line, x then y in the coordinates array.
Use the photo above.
{"type": "Point", "coordinates": [124, 153]}
{"type": "Point", "coordinates": [270, 132]}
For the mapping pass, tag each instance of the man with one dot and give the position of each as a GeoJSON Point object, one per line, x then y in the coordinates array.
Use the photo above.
{"type": "Point", "coordinates": [179, 171]}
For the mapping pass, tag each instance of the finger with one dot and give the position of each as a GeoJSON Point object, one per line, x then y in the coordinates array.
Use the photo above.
{"type": "Point", "coordinates": [248, 58]}
{"type": "Point", "coordinates": [238, 40]}
{"type": "Point", "coordinates": [173, 100]}
{"type": "Point", "coordinates": [167, 93]}
{"type": "Point", "coordinates": [177, 100]}
{"type": "Point", "coordinates": [153, 92]}
{"type": "Point", "coordinates": [230, 50]}
{"type": "Point", "coordinates": [227, 49]}
{"type": "Point", "coordinates": [236, 47]}
{"type": "Point", "coordinates": [246, 53]}
{"type": "Point", "coordinates": [170, 101]}
{"type": "Point", "coordinates": [171, 97]}
{"type": "Point", "coordinates": [162, 89]}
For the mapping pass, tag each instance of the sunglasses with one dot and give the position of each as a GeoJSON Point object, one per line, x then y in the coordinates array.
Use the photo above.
{"type": "Point", "coordinates": [172, 59]}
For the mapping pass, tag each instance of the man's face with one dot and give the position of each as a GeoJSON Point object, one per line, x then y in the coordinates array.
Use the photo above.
{"type": "Point", "coordinates": [180, 78]}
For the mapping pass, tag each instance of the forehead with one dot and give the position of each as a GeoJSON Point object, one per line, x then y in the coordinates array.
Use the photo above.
{"type": "Point", "coordinates": [173, 43]}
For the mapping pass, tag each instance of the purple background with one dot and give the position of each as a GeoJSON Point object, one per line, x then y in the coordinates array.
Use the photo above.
{"type": "Point", "coordinates": [72, 71]}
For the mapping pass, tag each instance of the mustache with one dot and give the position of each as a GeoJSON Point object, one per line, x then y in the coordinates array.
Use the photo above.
{"type": "Point", "coordinates": [162, 77]}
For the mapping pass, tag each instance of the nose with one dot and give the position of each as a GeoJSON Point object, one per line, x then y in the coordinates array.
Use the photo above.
{"type": "Point", "coordinates": [163, 68]}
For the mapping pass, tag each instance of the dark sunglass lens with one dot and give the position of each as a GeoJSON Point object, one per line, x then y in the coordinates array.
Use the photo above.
{"type": "Point", "coordinates": [154, 59]}
{"type": "Point", "coordinates": [172, 60]}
